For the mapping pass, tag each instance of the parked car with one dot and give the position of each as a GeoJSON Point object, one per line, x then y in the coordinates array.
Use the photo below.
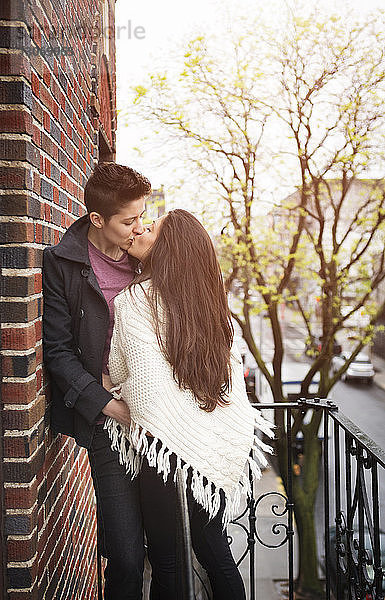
{"type": "Point", "coordinates": [250, 375]}
{"type": "Point", "coordinates": [293, 374]}
{"type": "Point", "coordinates": [314, 346]}
{"type": "Point", "coordinates": [333, 561]}
{"type": "Point", "coordinates": [360, 368]}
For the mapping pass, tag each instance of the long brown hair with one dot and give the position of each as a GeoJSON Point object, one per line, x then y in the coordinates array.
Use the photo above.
{"type": "Point", "coordinates": [186, 280]}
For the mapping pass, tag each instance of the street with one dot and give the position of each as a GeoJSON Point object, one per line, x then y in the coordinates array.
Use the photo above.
{"type": "Point", "coordinates": [363, 404]}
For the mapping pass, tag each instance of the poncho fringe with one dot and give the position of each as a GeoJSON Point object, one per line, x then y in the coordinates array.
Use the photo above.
{"type": "Point", "coordinates": [133, 446]}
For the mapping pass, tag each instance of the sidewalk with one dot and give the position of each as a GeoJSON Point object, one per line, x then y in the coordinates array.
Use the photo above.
{"type": "Point", "coordinates": [379, 367]}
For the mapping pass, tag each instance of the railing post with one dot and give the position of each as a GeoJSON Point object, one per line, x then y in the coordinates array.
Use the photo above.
{"type": "Point", "coordinates": [290, 505]}
{"type": "Point", "coordinates": [338, 517]}
{"type": "Point", "coordinates": [251, 539]}
{"type": "Point", "coordinates": [349, 516]}
{"type": "Point", "coordinates": [184, 568]}
{"type": "Point", "coordinates": [326, 500]}
{"type": "Point", "coordinates": [378, 574]}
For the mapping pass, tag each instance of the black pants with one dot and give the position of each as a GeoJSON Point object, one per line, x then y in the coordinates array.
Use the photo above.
{"type": "Point", "coordinates": [120, 526]}
{"type": "Point", "coordinates": [158, 501]}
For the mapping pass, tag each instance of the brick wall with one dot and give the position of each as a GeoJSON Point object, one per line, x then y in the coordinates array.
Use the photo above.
{"type": "Point", "coordinates": [54, 78]}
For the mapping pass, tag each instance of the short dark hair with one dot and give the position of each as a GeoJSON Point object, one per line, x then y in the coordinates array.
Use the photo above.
{"type": "Point", "coordinates": [112, 186]}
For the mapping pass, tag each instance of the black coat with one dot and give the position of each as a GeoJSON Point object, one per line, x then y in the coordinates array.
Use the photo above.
{"type": "Point", "coordinates": [75, 325]}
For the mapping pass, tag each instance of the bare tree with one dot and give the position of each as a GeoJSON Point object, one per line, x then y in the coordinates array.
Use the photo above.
{"type": "Point", "coordinates": [311, 98]}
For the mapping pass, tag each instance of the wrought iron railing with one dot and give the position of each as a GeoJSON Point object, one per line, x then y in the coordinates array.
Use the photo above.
{"type": "Point", "coordinates": [353, 483]}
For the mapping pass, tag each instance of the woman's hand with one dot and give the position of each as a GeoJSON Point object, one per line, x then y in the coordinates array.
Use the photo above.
{"type": "Point", "coordinates": [117, 409]}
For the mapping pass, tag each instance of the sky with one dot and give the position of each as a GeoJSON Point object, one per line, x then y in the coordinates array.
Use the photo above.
{"type": "Point", "coordinates": [146, 32]}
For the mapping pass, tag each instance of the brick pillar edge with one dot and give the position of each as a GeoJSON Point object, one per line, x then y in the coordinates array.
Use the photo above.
{"type": "Point", "coordinates": [50, 124]}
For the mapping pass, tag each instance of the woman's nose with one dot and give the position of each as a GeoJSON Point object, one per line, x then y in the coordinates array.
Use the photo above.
{"type": "Point", "coordinates": [139, 227]}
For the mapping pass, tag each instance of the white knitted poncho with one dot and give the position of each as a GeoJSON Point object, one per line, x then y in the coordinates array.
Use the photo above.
{"type": "Point", "coordinates": [216, 446]}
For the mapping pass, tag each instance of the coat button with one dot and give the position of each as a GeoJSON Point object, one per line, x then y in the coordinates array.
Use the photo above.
{"type": "Point", "coordinates": [68, 404]}
{"type": "Point", "coordinates": [85, 272]}
{"type": "Point", "coordinates": [79, 351]}
{"type": "Point", "coordinates": [81, 313]}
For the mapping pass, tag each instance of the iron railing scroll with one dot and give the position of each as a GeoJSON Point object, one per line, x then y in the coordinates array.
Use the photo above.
{"type": "Point", "coordinates": [353, 484]}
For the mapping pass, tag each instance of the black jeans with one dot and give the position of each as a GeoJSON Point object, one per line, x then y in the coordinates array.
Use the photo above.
{"type": "Point", "coordinates": [120, 529]}
{"type": "Point", "coordinates": [158, 501]}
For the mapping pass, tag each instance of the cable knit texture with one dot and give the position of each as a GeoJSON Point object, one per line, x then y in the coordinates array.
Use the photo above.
{"type": "Point", "coordinates": [216, 446]}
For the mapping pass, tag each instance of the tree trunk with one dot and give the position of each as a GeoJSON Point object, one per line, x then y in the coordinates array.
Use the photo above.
{"type": "Point", "coordinates": [308, 582]}
{"type": "Point", "coordinates": [305, 486]}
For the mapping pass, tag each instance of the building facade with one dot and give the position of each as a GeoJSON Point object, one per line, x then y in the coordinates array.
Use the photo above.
{"type": "Point", "coordinates": [57, 118]}
{"type": "Point", "coordinates": [349, 215]}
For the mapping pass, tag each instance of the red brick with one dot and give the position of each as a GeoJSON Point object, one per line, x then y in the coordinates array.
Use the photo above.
{"type": "Point", "coordinates": [46, 28]}
{"type": "Point", "coordinates": [55, 151]}
{"type": "Point", "coordinates": [36, 183]}
{"type": "Point", "coordinates": [14, 178]}
{"type": "Point", "coordinates": [24, 419]}
{"type": "Point", "coordinates": [36, 34]}
{"type": "Point", "coordinates": [36, 135]}
{"type": "Point", "coordinates": [37, 282]}
{"type": "Point", "coordinates": [20, 497]}
{"type": "Point", "coordinates": [38, 330]}
{"type": "Point", "coordinates": [22, 338]}
{"type": "Point", "coordinates": [47, 212]}
{"type": "Point", "coordinates": [19, 393]}
{"type": "Point", "coordinates": [55, 109]}
{"type": "Point", "coordinates": [46, 120]}
{"type": "Point", "coordinates": [20, 447]}
{"type": "Point", "coordinates": [7, 366]}
{"type": "Point", "coordinates": [17, 121]}
{"type": "Point", "coordinates": [47, 167]}
{"type": "Point", "coordinates": [46, 76]}
{"type": "Point", "coordinates": [22, 550]}
{"type": "Point", "coordinates": [39, 378]}
{"type": "Point", "coordinates": [15, 64]}
{"type": "Point", "coordinates": [35, 84]}
{"type": "Point", "coordinates": [38, 233]}
{"type": "Point", "coordinates": [39, 353]}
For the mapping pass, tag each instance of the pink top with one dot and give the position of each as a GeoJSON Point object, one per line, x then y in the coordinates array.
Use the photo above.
{"type": "Point", "coordinates": [112, 276]}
